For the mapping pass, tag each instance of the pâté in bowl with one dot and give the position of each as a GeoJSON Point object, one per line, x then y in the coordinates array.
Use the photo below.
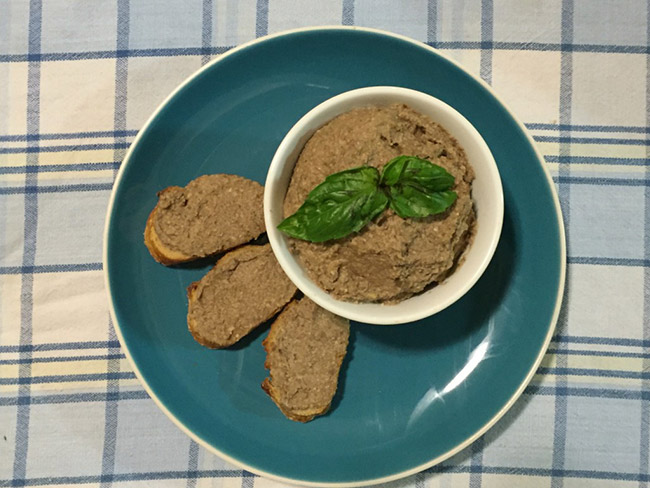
{"type": "Point", "coordinates": [389, 205]}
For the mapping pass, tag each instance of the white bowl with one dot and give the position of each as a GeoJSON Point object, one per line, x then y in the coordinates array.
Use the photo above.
{"type": "Point", "coordinates": [487, 194]}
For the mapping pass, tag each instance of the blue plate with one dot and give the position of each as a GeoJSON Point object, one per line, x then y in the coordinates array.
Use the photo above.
{"type": "Point", "coordinates": [409, 395]}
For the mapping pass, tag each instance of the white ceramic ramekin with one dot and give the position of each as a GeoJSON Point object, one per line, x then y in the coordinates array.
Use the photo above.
{"type": "Point", "coordinates": [487, 194]}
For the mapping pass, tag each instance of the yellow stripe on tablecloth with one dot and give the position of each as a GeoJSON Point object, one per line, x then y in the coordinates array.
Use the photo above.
{"type": "Point", "coordinates": [69, 367]}
{"type": "Point", "coordinates": [605, 363]}
{"type": "Point", "coordinates": [9, 371]}
{"type": "Point", "coordinates": [67, 387]}
{"type": "Point", "coordinates": [17, 179]}
{"type": "Point", "coordinates": [103, 175]}
{"type": "Point", "coordinates": [580, 381]}
{"type": "Point", "coordinates": [77, 157]}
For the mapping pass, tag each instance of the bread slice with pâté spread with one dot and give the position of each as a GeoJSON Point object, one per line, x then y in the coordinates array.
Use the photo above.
{"type": "Point", "coordinates": [305, 349]}
{"type": "Point", "coordinates": [245, 288]}
{"type": "Point", "coordinates": [211, 215]}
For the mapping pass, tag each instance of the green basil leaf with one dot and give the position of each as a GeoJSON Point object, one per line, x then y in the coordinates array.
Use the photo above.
{"type": "Point", "coordinates": [408, 201]}
{"type": "Point", "coordinates": [344, 203]}
{"type": "Point", "coordinates": [417, 187]}
{"type": "Point", "coordinates": [420, 173]}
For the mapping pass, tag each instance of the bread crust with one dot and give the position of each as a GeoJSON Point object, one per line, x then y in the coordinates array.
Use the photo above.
{"type": "Point", "coordinates": [157, 249]}
{"type": "Point", "coordinates": [302, 416]}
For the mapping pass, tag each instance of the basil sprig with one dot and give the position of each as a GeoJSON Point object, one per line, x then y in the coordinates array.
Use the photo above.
{"type": "Point", "coordinates": [347, 201]}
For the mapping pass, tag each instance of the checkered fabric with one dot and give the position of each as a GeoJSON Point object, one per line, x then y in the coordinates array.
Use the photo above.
{"type": "Point", "coordinates": [79, 78]}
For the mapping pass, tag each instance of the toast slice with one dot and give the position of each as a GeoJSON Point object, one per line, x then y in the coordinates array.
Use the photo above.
{"type": "Point", "coordinates": [211, 215]}
{"type": "Point", "coordinates": [305, 348]}
{"type": "Point", "coordinates": [244, 289]}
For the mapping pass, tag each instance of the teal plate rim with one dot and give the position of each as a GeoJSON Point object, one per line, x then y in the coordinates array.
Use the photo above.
{"type": "Point", "coordinates": [310, 482]}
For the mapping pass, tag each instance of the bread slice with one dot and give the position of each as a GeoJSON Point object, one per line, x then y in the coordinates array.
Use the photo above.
{"type": "Point", "coordinates": [211, 215]}
{"type": "Point", "coordinates": [305, 348]}
{"type": "Point", "coordinates": [244, 289]}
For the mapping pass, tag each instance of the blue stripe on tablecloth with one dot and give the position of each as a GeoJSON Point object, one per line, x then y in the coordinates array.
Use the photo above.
{"type": "Point", "coordinates": [347, 14]}
{"type": "Point", "coordinates": [123, 477]}
{"type": "Point", "coordinates": [566, 90]}
{"type": "Point", "coordinates": [53, 168]}
{"type": "Point", "coordinates": [66, 378]}
{"type": "Point", "coordinates": [598, 160]}
{"type": "Point", "coordinates": [50, 268]}
{"type": "Point", "coordinates": [487, 27]}
{"type": "Point", "coordinates": [591, 140]}
{"type": "Point", "coordinates": [29, 243]}
{"type": "Point", "coordinates": [608, 261]}
{"type": "Point", "coordinates": [247, 479]}
{"type": "Point", "coordinates": [565, 392]}
{"type": "Point", "coordinates": [544, 46]}
{"type": "Point", "coordinates": [63, 148]}
{"type": "Point", "coordinates": [432, 22]}
{"type": "Point", "coordinates": [206, 31]}
{"type": "Point", "coordinates": [476, 463]}
{"type": "Point", "coordinates": [59, 346]}
{"type": "Point", "coordinates": [59, 398]}
{"type": "Point", "coordinates": [589, 128]}
{"type": "Point", "coordinates": [112, 377]}
{"type": "Point", "coordinates": [543, 472]}
{"type": "Point", "coordinates": [604, 341]}
{"type": "Point", "coordinates": [114, 357]}
{"type": "Point", "coordinates": [262, 18]}
{"type": "Point", "coordinates": [218, 473]}
{"type": "Point", "coordinates": [644, 449]}
{"type": "Point", "coordinates": [583, 352]}
{"type": "Point", "coordinates": [420, 479]}
{"type": "Point", "coordinates": [33, 189]}
{"type": "Point", "coordinates": [192, 463]}
{"type": "Point", "coordinates": [215, 50]}
{"type": "Point", "coordinates": [68, 359]}
{"type": "Point", "coordinates": [131, 53]}
{"type": "Point", "coordinates": [585, 180]}
{"type": "Point", "coordinates": [67, 135]}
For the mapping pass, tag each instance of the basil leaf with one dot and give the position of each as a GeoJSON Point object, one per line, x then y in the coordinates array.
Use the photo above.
{"type": "Point", "coordinates": [417, 187]}
{"type": "Point", "coordinates": [344, 203]}
{"type": "Point", "coordinates": [408, 201]}
{"type": "Point", "coordinates": [409, 170]}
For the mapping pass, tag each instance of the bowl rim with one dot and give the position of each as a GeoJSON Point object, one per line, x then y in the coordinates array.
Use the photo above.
{"type": "Point", "coordinates": [395, 476]}
{"type": "Point", "coordinates": [413, 308]}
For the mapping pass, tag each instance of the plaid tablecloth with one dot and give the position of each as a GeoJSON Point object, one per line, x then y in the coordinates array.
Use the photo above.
{"type": "Point", "coordinates": [79, 78]}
